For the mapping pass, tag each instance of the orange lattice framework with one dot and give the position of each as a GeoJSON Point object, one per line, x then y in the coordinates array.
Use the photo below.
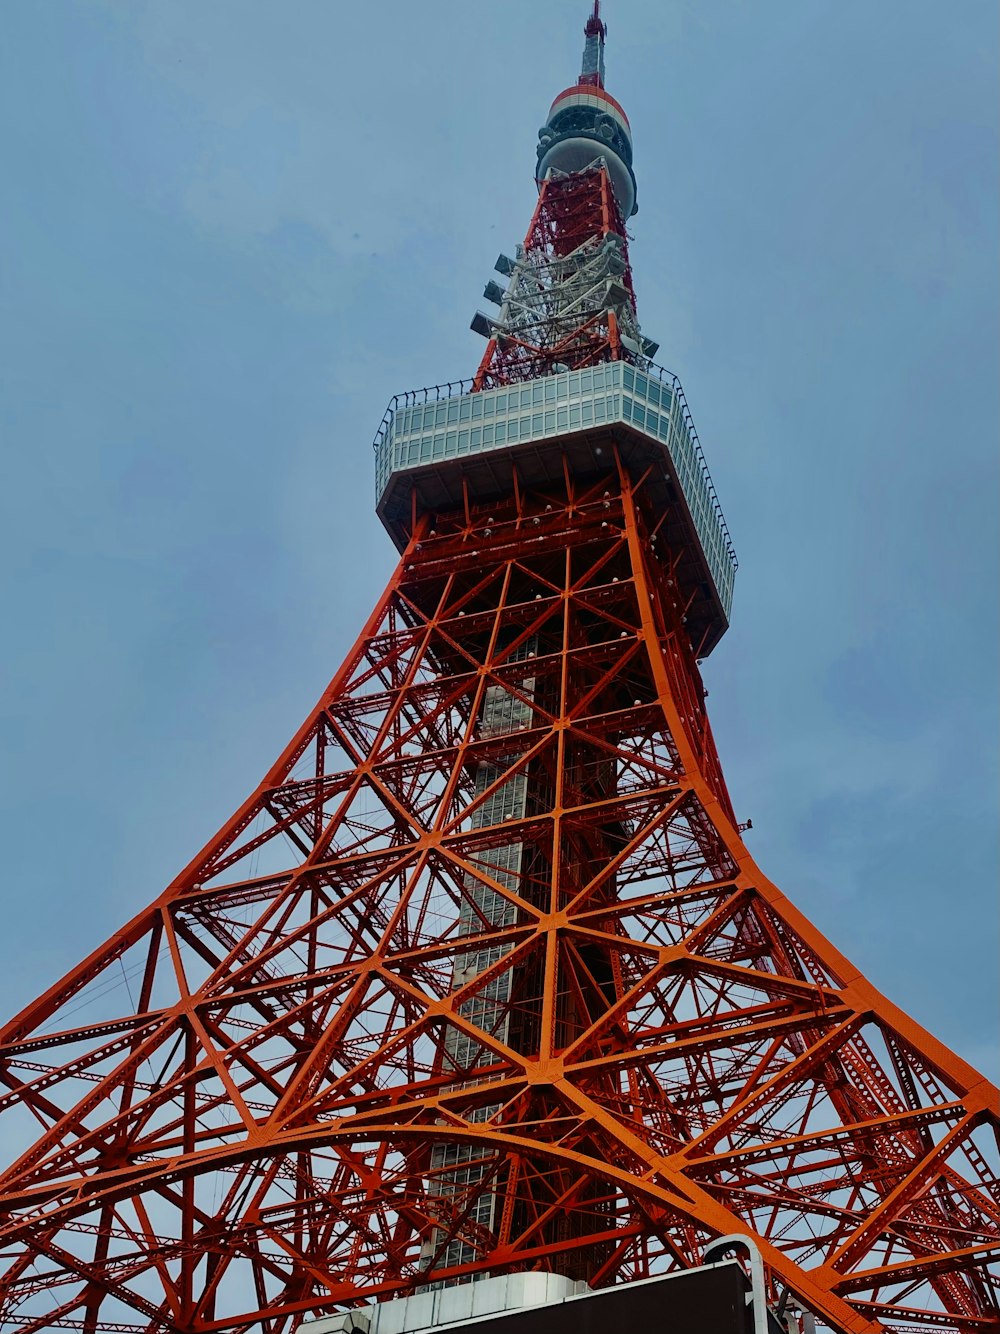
{"type": "Point", "coordinates": [482, 976]}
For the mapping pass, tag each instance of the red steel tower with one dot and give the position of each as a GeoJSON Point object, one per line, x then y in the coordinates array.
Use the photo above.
{"type": "Point", "coordinates": [481, 977]}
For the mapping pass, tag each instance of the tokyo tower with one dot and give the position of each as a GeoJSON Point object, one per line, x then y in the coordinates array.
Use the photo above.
{"type": "Point", "coordinates": [481, 978]}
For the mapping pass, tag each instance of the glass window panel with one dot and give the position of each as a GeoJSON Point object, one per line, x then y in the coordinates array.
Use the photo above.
{"type": "Point", "coordinates": [477, 405]}
{"type": "Point", "coordinates": [477, 437]}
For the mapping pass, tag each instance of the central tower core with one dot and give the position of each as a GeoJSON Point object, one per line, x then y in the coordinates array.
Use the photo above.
{"type": "Point", "coordinates": [556, 510]}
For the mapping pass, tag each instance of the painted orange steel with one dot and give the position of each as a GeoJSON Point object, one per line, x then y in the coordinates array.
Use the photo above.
{"type": "Point", "coordinates": [235, 1112]}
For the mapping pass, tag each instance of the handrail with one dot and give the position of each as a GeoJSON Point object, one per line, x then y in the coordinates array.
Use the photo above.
{"type": "Point", "coordinates": [663, 374]}
{"type": "Point", "coordinates": [457, 388]}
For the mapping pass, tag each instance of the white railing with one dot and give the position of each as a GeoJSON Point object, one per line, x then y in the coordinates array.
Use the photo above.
{"type": "Point", "coordinates": [427, 426]}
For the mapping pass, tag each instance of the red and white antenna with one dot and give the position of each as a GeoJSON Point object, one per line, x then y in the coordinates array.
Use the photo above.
{"type": "Point", "coordinates": [596, 32]}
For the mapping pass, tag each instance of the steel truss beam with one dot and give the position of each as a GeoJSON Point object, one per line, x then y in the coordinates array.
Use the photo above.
{"type": "Point", "coordinates": [269, 1094]}
{"type": "Point", "coordinates": [570, 301]}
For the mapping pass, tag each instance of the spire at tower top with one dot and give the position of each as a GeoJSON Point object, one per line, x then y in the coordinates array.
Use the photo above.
{"type": "Point", "coordinates": [596, 32]}
{"type": "Point", "coordinates": [585, 122]}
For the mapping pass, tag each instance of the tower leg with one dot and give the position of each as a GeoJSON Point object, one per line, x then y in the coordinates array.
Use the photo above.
{"type": "Point", "coordinates": [482, 978]}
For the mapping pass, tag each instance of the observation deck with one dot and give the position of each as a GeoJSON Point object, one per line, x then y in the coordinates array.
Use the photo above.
{"type": "Point", "coordinates": [433, 440]}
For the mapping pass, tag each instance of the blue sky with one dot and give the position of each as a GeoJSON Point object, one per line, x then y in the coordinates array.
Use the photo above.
{"type": "Point", "coordinates": [233, 229]}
